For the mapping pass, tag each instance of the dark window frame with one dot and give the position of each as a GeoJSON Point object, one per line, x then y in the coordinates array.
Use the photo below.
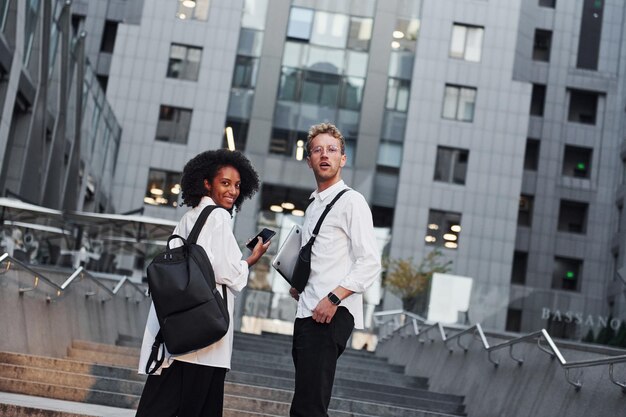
{"type": "Point", "coordinates": [456, 161]}
{"type": "Point", "coordinates": [441, 223]}
{"type": "Point", "coordinates": [173, 116]}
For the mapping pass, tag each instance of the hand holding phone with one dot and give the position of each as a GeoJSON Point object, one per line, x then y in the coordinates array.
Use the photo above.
{"type": "Point", "coordinates": [265, 234]}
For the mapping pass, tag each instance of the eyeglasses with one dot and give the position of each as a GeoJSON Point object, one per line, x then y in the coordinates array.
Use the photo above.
{"type": "Point", "coordinates": [330, 149]}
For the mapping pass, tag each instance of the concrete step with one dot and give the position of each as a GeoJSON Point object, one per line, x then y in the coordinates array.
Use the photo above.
{"type": "Point", "coordinates": [88, 395]}
{"type": "Point", "coordinates": [52, 371]}
{"type": "Point", "coordinates": [106, 348]}
{"type": "Point", "coordinates": [70, 408]}
{"type": "Point", "coordinates": [286, 360]}
{"type": "Point", "coordinates": [102, 358]}
{"type": "Point", "coordinates": [7, 410]}
{"type": "Point", "coordinates": [338, 402]}
{"type": "Point", "coordinates": [67, 365]}
{"type": "Point", "coordinates": [245, 342]}
{"type": "Point", "coordinates": [376, 393]}
{"type": "Point", "coordinates": [70, 379]}
{"type": "Point", "coordinates": [259, 385]}
{"type": "Point", "coordinates": [342, 373]}
{"type": "Point", "coordinates": [128, 340]}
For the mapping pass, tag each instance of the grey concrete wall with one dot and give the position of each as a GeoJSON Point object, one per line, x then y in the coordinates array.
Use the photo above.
{"type": "Point", "coordinates": [537, 388]}
{"type": "Point", "coordinates": [32, 325]}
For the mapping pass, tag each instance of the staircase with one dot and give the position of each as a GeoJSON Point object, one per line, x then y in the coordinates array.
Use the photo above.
{"type": "Point", "coordinates": [260, 383]}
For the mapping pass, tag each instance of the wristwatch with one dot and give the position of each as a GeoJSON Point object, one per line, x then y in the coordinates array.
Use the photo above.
{"type": "Point", "coordinates": [333, 298]}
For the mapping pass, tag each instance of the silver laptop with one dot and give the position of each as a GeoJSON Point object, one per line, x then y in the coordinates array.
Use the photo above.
{"type": "Point", "coordinates": [285, 260]}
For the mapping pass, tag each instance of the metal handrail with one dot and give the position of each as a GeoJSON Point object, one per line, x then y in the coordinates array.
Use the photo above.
{"type": "Point", "coordinates": [82, 273]}
{"type": "Point", "coordinates": [38, 277]}
{"type": "Point", "coordinates": [77, 275]}
{"type": "Point", "coordinates": [475, 329]}
{"type": "Point", "coordinates": [543, 334]}
{"type": "Point", "coordinates": [127, 281]}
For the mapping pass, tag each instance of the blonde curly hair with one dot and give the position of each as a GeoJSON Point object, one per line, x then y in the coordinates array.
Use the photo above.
{"type": "Point", "coordinates": [329, 128]}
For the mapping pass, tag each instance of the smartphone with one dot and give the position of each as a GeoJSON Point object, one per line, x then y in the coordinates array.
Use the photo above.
{"type": "Point", "coordinates": [266, 234]}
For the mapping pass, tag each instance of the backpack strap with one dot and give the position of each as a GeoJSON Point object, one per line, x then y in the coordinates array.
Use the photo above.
{"type": "Point", "coordinates": [154, 354]}
{"type": "Point", "coordinates": [200, 221]}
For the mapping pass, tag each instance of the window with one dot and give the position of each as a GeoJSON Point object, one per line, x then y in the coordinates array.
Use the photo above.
{"type": "Point", "coordinates": [525, 212]}
{"type": "Point", "coordinates": [4, 12]}
{"type": "Point", "coordinates": [531, 156]}
{"type": "Point", "coordinates": [103, 80]}
{"type": "Point", "coordinates": [108, 36]}
{"type": "Point", "coordinates": [287, 142]}
{"type": "Point", "coordinates": [193, 9]}
{"type": "Point", "coordinates": [583, 106]}
{"type": "Point", "coordinates": [443, 229]}
{"type": "Point", "coordinates": [404, 36]}
{"type": "Point", "coordinates": [389, 154]}
{"type": "Point", "coordinates": [520, 263]}
{"type": "Point", "coordinates": [466, 42]}
{"type": "Point", "coordinates": [78, 23]}
{"type": "Point", "coordinates": [163, 188]}
{"type": "Point", "coordinates": [458, 103]}
{"type": "Point", "coordinates": [451, 165]}
{"type": "Point", "coordinates": [300, 23]}
{"type": "Point", "coordinates": [290, 84]}
{"type": "Point", "coordinates": [328, 90]}
{"type": "Point", "coordinates": [360, 33]}
{"type": "Point", "coordinates": [173, 124]}
{"type": "Point", "coordinates": [320, 88]}
{"type": "Point", "coordinates": [547, 3]}
{"type": "Point", "coordinates": [537, 100]}
{"type": "Point", "coordinates": [398, 92]}
{"type": "Point", "coordinates": [513, 320]}
{"type": "Point", "coordinates": [351, 93]}
{"type": "Point", "coordinates": [541, 46]}
{"type": "Point", "coordinates": [237, 132]}
{"type": "Point", "coordinates": [330, 29]}
{"type": "Point", "coordinates": [566, 274]}
{"type": "Point", "coordinates": [184, 62]}
{"type": "Point", "coordinates": [590, 34]}
{"type": "Point", "coordinates": [577, 161]}
{"type": "Point", "coordinates": [382, 216]}
{"type": "Point", "coordinates": [244, 75]}
{"type": "Point", "coordinates": [573, 217]}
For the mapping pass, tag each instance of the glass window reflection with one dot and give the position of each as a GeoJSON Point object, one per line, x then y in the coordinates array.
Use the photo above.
{"type": "Point", "coordinates": [360, 33]}
{"type": "Point", "coordinates": [193, 9]}
{"type": "Point", "coordinates": [330, 29]}
{"type": "Point", "coordinates": [300, 22]}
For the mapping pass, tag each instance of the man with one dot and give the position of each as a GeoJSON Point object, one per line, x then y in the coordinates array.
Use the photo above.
{"type": "Point", "coordinates": [344, 263]}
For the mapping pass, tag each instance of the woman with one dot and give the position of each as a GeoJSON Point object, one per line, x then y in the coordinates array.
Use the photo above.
{"type": "Point", "coordinates": [192, 384]}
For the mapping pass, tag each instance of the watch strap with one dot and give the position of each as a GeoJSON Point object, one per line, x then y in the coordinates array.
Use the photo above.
{"type": "Point", "coordinates": [333, 298]}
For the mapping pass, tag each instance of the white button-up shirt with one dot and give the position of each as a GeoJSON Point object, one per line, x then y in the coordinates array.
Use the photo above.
{"type": "Point", "coordinates": [220, 244]}
{"type": "Point", "coordinates": [344, 253]}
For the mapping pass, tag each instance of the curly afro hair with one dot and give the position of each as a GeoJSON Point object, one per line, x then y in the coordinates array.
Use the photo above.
{"type": "Point", "coordinates": [206, 165]}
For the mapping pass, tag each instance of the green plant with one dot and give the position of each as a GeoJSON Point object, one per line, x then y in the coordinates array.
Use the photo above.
{"type": "Point", "coordinates": [409, 281]}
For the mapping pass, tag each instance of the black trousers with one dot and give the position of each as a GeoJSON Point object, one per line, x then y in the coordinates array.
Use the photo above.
{"type": "Point", "coordinates": [184, 390]}
{"type": "Point", "coordinates": [316, 348]}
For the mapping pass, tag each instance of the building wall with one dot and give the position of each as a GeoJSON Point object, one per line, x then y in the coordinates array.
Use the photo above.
{"type": "Point", "coordinates": [138, 86]}
{"type": "Point", "coordinates": [495, 139]}
{"type": "Point", "coordinates": [543, 240]}
{"type": "Point", "coordinates": [58, 146]}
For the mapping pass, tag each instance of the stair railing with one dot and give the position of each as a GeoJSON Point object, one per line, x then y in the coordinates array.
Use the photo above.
{"type": "Point", "coordinates": [76, 276]}
{"type": "Point", "coordinates": [396, 320]}
{"type": "Point", "coordinates": [38, 277]}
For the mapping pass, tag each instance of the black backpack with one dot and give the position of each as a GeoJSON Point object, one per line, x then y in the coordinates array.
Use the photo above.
{"type": "Point", "coordinates": [191, 312]}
